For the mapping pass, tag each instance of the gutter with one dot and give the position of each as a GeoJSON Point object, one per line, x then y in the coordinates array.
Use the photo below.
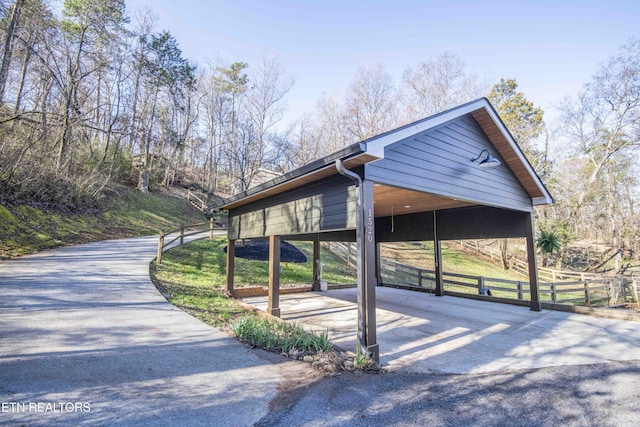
{"type": "Point", "coordinates": [323, 163]}
{"type": "Point", "coordinates": [361, 299]}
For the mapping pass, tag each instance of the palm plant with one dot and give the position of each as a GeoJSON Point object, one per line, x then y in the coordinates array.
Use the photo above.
{"type": "Point", "coordinates": [548, 242]}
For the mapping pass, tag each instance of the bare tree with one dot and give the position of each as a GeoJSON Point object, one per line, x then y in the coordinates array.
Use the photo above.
{"type": "Point", "coordinates": [297, 146]}
{"type": "Point", "coordinates": [433, 86]}
{"type": "Point", "coordinates": [145, 23]}
{"type": "Point", "coordinates": [265, 99]}
{"type": "Point", "coordinates": [603, 124]}
{"type": "Point", "coordinates": [264, 109]}
{"type": "Point", "coordinates": [331, 128]}
{"type": "Point", "coordinates": [370, 103]}
{"type": "Point", "coordinates": [234, 82]}
{"type": "Point", "coordinates": [214, 106]}
{"type": "Point", "coordinates": [9, 37]}
{"type": "Point", "coordinates": [86, 24]}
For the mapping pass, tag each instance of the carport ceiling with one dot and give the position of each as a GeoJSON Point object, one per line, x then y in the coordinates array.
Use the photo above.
{"type": "Point", "coordinates": [399, 201]}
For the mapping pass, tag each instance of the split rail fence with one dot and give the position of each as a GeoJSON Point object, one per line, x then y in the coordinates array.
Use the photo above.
{"type": "Point", "coordinates": [180, 233]}
{"type": "Point", "coordinates": [593, 292]}
{"type": "Point", "coordinates": [557, 287]}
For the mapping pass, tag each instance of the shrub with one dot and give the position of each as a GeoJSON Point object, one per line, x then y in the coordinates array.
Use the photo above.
{"type": "Point", "coordinates": [274, 335]}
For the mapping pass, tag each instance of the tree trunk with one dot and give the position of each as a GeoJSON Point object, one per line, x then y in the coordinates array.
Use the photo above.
{"type": "Point", "coordinates": [8, 49]}
{"type": "Point", "coordinates": [143, 183]}
{"type": "Point", "coordinates": [23, 78]}
{"type": "Point", "coordinates": [504, 252]}
{"type": "Point", "coordinates": [70, 96]}
{"type": "Point", "coordinates": [66, 131]}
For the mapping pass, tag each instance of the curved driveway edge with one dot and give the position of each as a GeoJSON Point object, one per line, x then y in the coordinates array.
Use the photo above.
{"type": "Point", "coordinates": [88, 340]}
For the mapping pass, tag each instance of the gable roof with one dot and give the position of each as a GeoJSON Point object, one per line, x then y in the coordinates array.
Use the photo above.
{"type": "Point", "coordinates": [488, 119]}
{"type": "Point", "coordinates": [373, 149]}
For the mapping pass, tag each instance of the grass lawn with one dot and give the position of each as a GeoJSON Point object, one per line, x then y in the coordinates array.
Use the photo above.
{"type": "Point", "coordinates": [420, 255]}
{"type": "Point", "coordinates": [193, 277]}
{"type": "Point", "coordinates": [202, 264]}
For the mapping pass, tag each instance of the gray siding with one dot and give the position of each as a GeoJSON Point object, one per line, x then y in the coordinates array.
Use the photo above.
{"type": "Point", "coordinates": [325, 205]}
{"type": "Point", "coordinates": [438, 161]}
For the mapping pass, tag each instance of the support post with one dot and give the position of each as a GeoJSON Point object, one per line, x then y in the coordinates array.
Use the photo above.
{"type": "Point", "coordinates": [534, 288]}
{"type": "Point", "coordinates": [316, 265]}
{"type": "Point", "coordinates": [378, 266]}
{"type": "Point", "coordinates": [439, 277]}
{"type": "Point", "coordinates": [274, 276]}
{"type": "Point", "coordinates": [231, 266]}
{"type": "Point", "coordinates": [437, 252]}
{"type": "Point", "coordinates": [211, 228]}
{"type": "Point", "coordinates": [370, 270]}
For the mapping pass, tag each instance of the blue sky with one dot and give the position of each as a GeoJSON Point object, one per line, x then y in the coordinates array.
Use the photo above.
{"type": "Point", "coordinates": [550, 47]}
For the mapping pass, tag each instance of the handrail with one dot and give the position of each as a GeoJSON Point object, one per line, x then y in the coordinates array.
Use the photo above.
{"type": "Point", "coordinates": [199, 228]}
{"type": "Point", "coordinates": [200, 224]}
{"type": "Point", "coordinates": [201, 204]}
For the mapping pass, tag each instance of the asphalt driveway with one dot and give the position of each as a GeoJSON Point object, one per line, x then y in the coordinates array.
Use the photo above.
{"type": "Point", "coordinates": [86, 339]}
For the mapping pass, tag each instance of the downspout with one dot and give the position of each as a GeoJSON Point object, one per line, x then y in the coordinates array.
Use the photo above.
{"type": "Point", "coordinates": [361, 300]}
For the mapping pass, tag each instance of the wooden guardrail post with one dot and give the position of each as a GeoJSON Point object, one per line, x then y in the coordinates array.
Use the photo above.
{"type": "Point", "coordinates": [553, 292]}
{"type": "Point", "coordinates": [181, 235]}
{"type": "Point", "coordinates": [480, 284]}
{"type": "Point", "coordinates": [520, 290]}
{"type": "Point", "coordinates": [587, 299]}
{"type": "Point", "coordinates": [160, 247]}
{"type": "Point", "coordinates": [613, 294]}
{"type": "Point", "coordinates": [211, 228]}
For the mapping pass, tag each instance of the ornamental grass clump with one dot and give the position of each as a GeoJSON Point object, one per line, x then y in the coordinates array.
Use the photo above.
{"type": "Point", "coordinates": [277, 336]}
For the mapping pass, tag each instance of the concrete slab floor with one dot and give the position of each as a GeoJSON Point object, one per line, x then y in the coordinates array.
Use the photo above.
{"type": "Point", "coordinates": [420, 332]}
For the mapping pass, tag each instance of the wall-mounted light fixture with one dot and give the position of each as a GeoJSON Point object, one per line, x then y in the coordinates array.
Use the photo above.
{"type": "Point", "coordinates": [488, 162]}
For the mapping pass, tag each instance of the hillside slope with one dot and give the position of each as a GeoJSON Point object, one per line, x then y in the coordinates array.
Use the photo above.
{"type": "Point", "coordinates": [25, 229]}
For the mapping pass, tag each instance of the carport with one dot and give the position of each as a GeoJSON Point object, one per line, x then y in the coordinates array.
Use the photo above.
{"type": "Point", "coordinates": [455, 175]}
